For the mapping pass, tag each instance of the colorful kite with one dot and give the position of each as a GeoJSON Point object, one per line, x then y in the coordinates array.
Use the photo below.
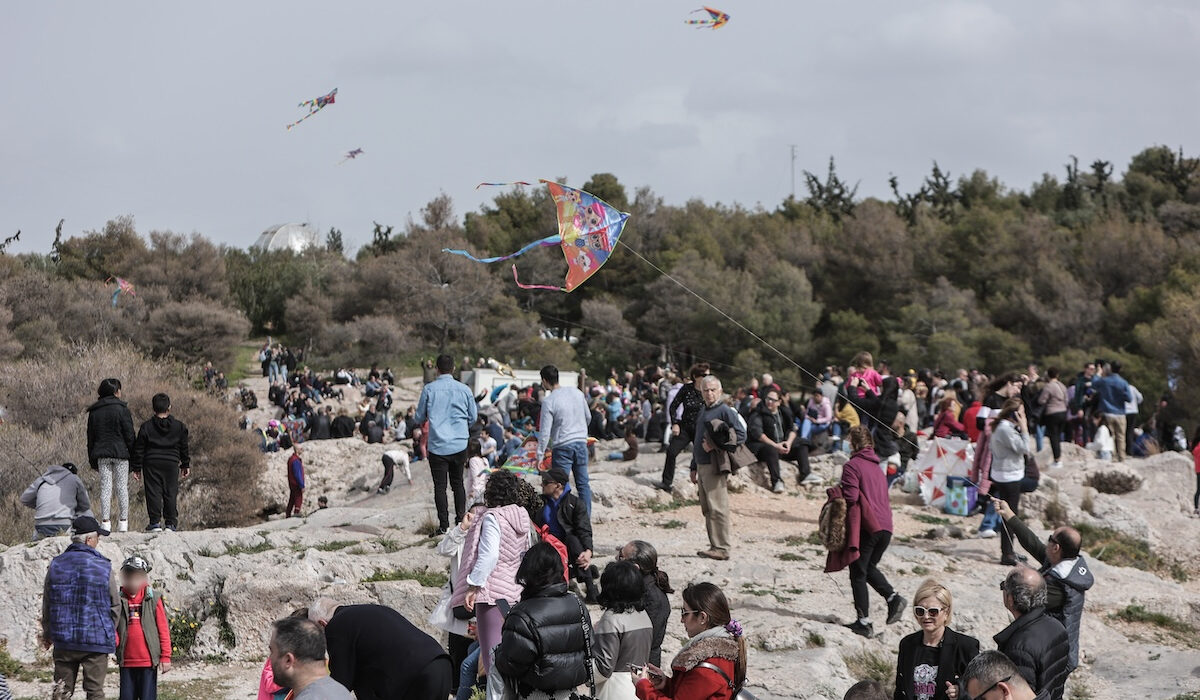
{"type": "Point", "coordinates": [716, 19]}
{"type": "Point", "coordinates": [588, 230]}
{"type": "Point", "coordinates": [524, 459]}
{"type": "Point", "coordinates": [123, 285]}
{"type": "Point", "coordinates": [352, 155]}
{"type": "Point", "coordinates": [315, 106]}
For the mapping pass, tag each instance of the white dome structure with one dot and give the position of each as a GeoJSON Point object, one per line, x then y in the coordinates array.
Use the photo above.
{"type": "Point", "coordinates": [293, 237]}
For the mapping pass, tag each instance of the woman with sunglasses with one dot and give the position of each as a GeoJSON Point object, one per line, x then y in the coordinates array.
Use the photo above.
{"type": "Point", "coordinates": [931, 661]}
{"type": "Point", "coordinates": [712, 663]}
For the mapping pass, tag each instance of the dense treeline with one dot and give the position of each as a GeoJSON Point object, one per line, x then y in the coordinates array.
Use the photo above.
{"type": "Point", "coordinates": [951, 272]}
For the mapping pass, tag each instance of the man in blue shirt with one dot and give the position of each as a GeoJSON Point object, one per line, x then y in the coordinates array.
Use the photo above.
{"type": "Point", "coordinates": [564, 429]}
{"type": "Point", "coordinates": [1113, 391]}
{"type": "Point", "coordinates": [450, 409]}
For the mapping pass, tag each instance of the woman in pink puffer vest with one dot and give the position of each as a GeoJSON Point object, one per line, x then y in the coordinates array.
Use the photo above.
{"type": "Point", "coordinates": [492, 553]}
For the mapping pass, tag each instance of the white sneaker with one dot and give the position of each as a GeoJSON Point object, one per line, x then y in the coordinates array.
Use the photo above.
{"type": "Point", "coordinates": [779, 487]}
{"type": "Point", "coordinates": [122, 526]}
{"type": "Point", "coordinates": [813, 479]}
{"type": "Point", "coordinates": [106, 525]}
{"type": "Point", "coordinates": [987, 534]}
{"type": "Point", "coordinates": [1056, 464]}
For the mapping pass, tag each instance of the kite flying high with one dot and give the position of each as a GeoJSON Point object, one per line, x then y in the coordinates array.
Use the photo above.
{"type": "Point", "coordinates": [314, 106]}
{"type": "Point", "coordinates": [123, 285]}
{"type": "Point", "coordinates": [715, 20]}
{"type": "Point", "coordinates": [588, 230]}
{"type": "Point", "coordinates": [352, 155]}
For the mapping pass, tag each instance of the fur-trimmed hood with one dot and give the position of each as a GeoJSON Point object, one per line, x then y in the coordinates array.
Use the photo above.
{"type": "Point", "coordinates": [703, 650]}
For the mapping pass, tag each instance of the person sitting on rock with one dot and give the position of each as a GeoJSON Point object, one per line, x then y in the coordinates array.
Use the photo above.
{"type": "Point", "coordinates": [564, 514]}
{"type": "Point", "coordinates": [57, 497]}
{"type": "Point", "coordinates": [1068, 576]}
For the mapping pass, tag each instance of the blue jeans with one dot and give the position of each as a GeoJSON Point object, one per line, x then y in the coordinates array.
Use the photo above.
{"type": "Point", "coordinates": [41, 532]}
{"type": "Point", "coordinates": [991, 519]}
{"type": "Point", "coordinates": [468, 672]}
{"type": "Point", "coordinates": [808, 428]}
{"type": "Point", "coordinates": [573, 459]}
{"type": "Point", "coordinates": [139, 683]}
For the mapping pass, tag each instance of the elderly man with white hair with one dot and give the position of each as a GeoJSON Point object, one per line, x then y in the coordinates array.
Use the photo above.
{"type": "Point", "coordinates": [711, 474]}
{"type": "Point", "coordinates": [363, 643]}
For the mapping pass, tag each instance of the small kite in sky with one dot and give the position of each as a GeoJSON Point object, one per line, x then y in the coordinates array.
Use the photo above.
{"type": "Point", "coordinates": [715, 20]}
{"type": "Point", "coordinates": [123, 285]}
{"type": "Point", "coordinates": [352, 155]}
{"type": "Point", "coordinates": [588, 230]}
{"type": "Point", "coordinates": [315, 106]}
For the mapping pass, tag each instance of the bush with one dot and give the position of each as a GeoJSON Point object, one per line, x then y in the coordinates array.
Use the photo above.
{"type": "Point", "coordinates": [47, 400]}
{"type": "Point", "coordinates": [194, 331]}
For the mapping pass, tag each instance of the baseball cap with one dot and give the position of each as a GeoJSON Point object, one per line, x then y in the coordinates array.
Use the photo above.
{"type": "Point", "coordinates": [85, 524]}
{"type": "Point", "coordinates": [136, 563]}
{"type": "Point", "coordinates": [556, 475]}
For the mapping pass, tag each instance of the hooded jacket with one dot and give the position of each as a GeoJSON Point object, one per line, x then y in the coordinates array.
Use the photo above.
{"type": "Point", "coordinates": [109, 430]}
{"type": "Point", "coordinates": [57, 497]}
{"type": "Point", "coordinates": [162, 443]}
{"type": "Point", "coordinates": [1037, 644]}
{"type": "Point", "coordinates": [1066, 584]}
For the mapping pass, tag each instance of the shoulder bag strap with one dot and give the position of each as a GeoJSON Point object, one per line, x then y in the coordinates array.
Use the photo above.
{"type": "Point", "coordinates": [718, 669]}
{"type": "Point", "coordinates": [586, 624]}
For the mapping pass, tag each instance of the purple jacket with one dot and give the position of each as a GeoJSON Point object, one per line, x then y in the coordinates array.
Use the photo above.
{"type": "Point", "coordinates": [863, 483]}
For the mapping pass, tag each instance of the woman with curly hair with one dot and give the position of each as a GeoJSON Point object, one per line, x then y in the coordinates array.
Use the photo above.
{"type": "Point", "coordinates": [492, 551]}
{"type": "Point", "coordinates": [712, 664]}
{"type": "Point", "coordinates": [624, 633]}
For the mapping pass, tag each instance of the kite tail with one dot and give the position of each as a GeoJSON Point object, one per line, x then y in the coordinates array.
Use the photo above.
{"type": "Point", "coordinates": [289, 126]}
{"type": "Point", "coordinates": [502, 184]}
{"type": "Point", "coordinates": [545, 242]}
{"type": "Point", "coordinates": [534, 286]}
{"type": "Point", "coordinates": [115, 295]}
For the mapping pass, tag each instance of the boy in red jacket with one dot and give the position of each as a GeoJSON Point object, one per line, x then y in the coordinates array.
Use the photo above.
{"type": "Point", "coordinates": [295, 466]}
{"type": "Point", "coordinates": [143, 633]}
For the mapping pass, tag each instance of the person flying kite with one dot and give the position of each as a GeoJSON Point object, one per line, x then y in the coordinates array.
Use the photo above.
{"type": "Point", "coordinates": [352, 155]}
{"type": "Point", "coordinates": [588, 230]}
{"type": "Point", "coordinates": [715, 20]}
{"type": "Point", "coordinates": [123, 285]}
{"type": "Point", "coordinates": [314, 106]}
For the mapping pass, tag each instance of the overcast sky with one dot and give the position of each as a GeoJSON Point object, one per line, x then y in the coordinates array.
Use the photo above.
{"type": "Point", "coordinates": [174, 112]}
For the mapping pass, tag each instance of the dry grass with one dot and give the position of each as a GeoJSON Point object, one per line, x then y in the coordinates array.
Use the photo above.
{"type": "Point", "coordinates": [47, 401]}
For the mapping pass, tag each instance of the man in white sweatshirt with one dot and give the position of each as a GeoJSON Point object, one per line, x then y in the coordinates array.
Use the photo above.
{"type": "Point", "coordinates": [564, 431]}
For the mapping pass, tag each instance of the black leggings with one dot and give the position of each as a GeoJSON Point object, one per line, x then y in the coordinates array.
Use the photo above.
{"type": "Point", "coordinates": [1011, 494]}
{"type": "Point", "coordinates": [865, 571]}
{"type": "Point", "coordinates": [1196, 497]}
{"type": "Point", "coordinates": [1055, 424]}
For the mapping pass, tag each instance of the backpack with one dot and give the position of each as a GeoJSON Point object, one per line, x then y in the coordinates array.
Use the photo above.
{"type": "Point", "coordinates": [543, 532]}
{"type": "Point", "coordinates": [832, 524]}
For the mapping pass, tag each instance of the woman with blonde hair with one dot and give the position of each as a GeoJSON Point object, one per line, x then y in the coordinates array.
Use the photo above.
{"type": "Point", "coordinates": [930, 661]}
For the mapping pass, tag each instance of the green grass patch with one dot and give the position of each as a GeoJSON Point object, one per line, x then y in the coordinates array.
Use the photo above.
{"type": "Point", "coordinates": [198, 689]}
{"type": "Point", "coordinates": [233, 549]}
{"type": "Point", "coordinates": [930, 519]}
{"type": "Point", "coordinates": [334, 546]}
{"type": "Point", "coordinates": [656, 506]}
{"type": "Point", "coordinates": [919, 570]}
{"type": "Point", "coordinates": [672, 525]}
{"type": "Point", "coordinates": [428, 527]}
{"type": "Point", "coordinates": [11, 668]}
{"type": "Point", "coordinates": [792, 556]}
{"type": "Point", "coordinates": [875, 666]}
{"type": "Point", "coordinates": [245, 363]}
{"type": "Point", "coordinates": [795, 541]}
{"type": "Point", "coordinates": [1117, 549]}
{"type": "Point", "coordinates": [425, 577]}
{"type": "Point", "coordinates": [184, 628]}
{"type": "Point", "coordinates": [751, 589]}
{"type": "Point", "coordinates": [814, 640]}
{"type": "Point", "coordinates": [1139, 614]}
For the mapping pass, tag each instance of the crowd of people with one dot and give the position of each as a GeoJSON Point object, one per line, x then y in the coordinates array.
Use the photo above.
{"type": "Point", "coordinates": [521, 570]}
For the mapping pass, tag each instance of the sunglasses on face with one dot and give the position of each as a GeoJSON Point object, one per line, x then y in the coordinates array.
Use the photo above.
{"type": "Point", "coordinates": [992, 687]}
{"type": "Point", "coordinates": [684, 612]}
{"type": "Point", "coordinates": [923, 611]}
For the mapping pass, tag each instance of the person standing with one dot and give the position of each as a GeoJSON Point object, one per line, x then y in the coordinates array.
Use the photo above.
{"type": "Point", "coordinates": [109, 441]}
{"type": "Point", "coordinates": [710, 474]}
{"type": "Point", "coordinates": [297, 661]}
{"type": "Point", "coordinates": [1008, 446]}
{"type": "Point", "coordinates": [161, 452]}
{"type": "Point", "coordinates": [682, 411]}
{"type": "Point", "coordinates": [57, 497]}
{"type": "Point", "coordinates": [450, 409]}
{"type": "Point", "coordinates": [993, 672]}
{"type": "Point", "coordinates": [143, 633]}
{"type": "Point", "coordinates": [712, 663]}
{"type": "Point", "coordinates": [931, 660]}
{"type": "Point", "coordinates": [295, 473]}
{"type": "Point", "coordinates": [657, 587]}
{"type": "Point", "coordinates": [563, 429]}
{"type": "Point", "coordinates": [624, 632]}
{"type": "Point", "coordinates": [866, 492]}
{"type": "Point", "coordinates": [363, 642]}
{"type": "Point", "coordinates": [1036, 643]}
{"type": "Point", "coordinates": [1113, 391]}
{"type": "Point", "coordinates": [80, 606]}
{"type": "Point", "coordinates": [1053, 400]}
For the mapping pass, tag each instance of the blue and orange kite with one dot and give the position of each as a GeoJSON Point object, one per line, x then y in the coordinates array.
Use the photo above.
{"type": "Point", "coordinates": [715, 20]}
{"type": "Point", "coordinates": [588, 230]}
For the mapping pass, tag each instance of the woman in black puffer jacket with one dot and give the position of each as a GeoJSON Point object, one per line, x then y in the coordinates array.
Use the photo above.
{"type": "Point", "coordinates": [545, 649]}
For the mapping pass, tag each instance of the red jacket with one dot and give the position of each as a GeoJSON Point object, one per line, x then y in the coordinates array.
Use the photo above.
{"type": "Point", "coordinates": [690, 682]}
{"type": "Point", "coordinates": [946, 424]}
{"type": "Point", "coordinates": [135, 653]}
{"type": "Point", "coordinates": [969, 420]}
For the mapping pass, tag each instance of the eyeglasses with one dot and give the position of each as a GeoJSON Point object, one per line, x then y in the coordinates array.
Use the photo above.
{"type": "Point", "coordinates": [1051, 539]}
{"type": "Point", "coordinates": [771, 400]}
{"type": "Point", "coordinates": [923, 611]}
{"type": "Point", "coordinates": [684, 612]}
{"type": "Point", "coordinates": [1002, 585]}
{"type": "Point", "coordinates": [992, 687]}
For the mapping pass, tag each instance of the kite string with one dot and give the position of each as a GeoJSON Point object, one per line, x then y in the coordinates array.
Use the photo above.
{"type": "Point", "coordinates": [749, 332]}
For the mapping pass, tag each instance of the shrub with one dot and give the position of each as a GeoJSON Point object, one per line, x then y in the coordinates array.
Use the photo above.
{"type": "Point", "coordinates": [184, 628]}
{"type": "Point", "coordinates": [194, 331]}
{"type": "Point", "coordinates": [47, 400]}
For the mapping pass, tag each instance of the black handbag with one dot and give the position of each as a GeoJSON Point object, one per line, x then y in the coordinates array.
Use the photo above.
{"type": "Point", "coordinates": [738, 693]}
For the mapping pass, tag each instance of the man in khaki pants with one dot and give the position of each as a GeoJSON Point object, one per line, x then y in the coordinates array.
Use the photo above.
{"type": "Point", "coordinates": [712, 475]}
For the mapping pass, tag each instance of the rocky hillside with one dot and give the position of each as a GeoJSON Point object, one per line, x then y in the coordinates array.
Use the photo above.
{"type": "Point", "coordinates": [1140, 634]}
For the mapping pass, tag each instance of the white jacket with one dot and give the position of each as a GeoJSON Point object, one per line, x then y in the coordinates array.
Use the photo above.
{"type": "Point", "coordinates": [1009, 447]}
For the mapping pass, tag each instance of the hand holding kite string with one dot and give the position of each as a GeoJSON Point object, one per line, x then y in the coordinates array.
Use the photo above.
{"type": "Point", "coordinates": [588, 230]}
{"type": "Point", "coordinates": [315, 105]}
